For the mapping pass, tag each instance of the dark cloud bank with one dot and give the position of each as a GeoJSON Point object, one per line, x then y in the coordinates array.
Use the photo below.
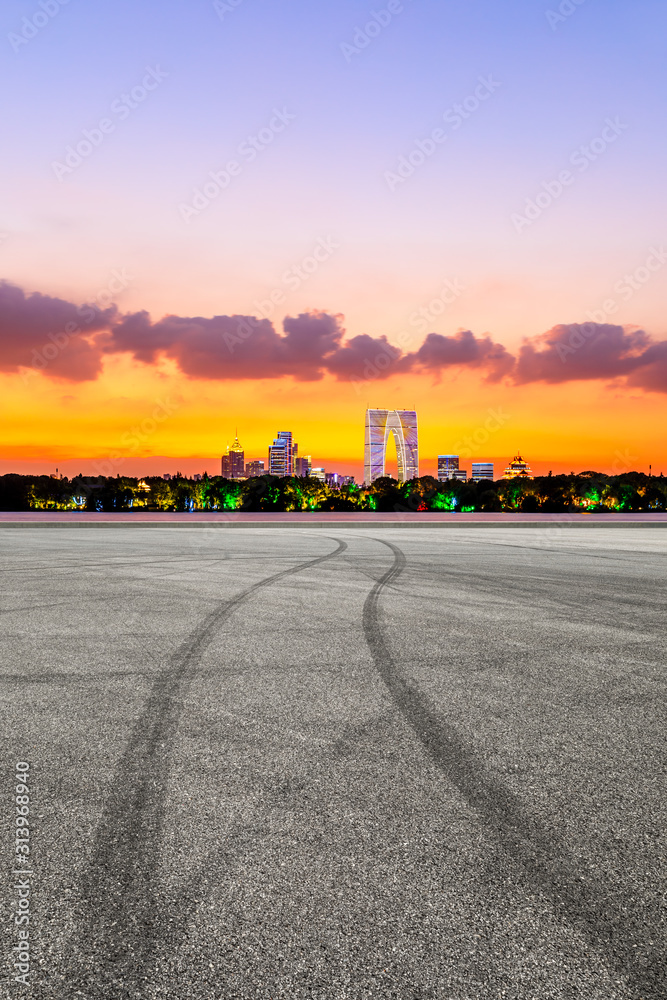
{"type": "Point", "coordinates": [70, 342]}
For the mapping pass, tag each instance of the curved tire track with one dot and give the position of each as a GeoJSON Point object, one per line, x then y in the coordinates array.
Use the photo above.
{"type": "Point", "coordinates": [118, 913]}
{"type": "Point", "coordinates": [620, 933]}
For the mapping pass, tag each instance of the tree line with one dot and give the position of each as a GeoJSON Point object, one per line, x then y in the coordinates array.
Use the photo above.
{"type": "Point", "coordinates": [585, 491]}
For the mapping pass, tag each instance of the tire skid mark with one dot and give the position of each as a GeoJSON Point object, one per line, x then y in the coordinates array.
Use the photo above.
{"type": "Point", "coordinates": [239, 833]}
{"type": "Point", "coordinates": [581, 611]}
{"type": "Point", "coordinates": [111, 564]}
{"type": "Point", "coordinates": [525, 590]}
{"type": "Point", "coordinates": [118, 913]}
{"type": "Point", "coordinates": [619, 933]}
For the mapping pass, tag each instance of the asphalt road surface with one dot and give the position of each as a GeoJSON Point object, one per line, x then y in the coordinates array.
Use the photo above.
{"type": "Point", "coordinates": [338, 764]}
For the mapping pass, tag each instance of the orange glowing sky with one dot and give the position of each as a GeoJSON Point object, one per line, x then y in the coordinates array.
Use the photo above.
{"type": "Point", "coordinates": [118, 423]}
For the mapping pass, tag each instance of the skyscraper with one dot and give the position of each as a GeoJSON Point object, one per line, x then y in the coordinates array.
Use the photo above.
{"type": "Point", "coordinates": [253, 469]}
{"type": "Point", "coordinates": [302, 465]}
{"type": "Point", "coordinates": [482, 470]}
{"type": "Point", "coordinates": [447, 466]}
{"type": "Point", "coordinates": [336, 480]}
{"type": "Point", "coordinates": [282, 454]}
{"type": "Point", "coordinates": [233, 461]}
{"type": "Point", "coordinates": [379, 425]}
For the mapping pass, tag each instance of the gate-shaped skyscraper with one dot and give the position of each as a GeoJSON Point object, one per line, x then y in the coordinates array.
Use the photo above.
{"type": "Point", "coordinates": [379, 425]}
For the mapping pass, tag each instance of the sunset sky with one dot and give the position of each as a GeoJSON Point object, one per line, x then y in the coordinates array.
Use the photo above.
{"type": "Point", "coordinates": [429, 204]}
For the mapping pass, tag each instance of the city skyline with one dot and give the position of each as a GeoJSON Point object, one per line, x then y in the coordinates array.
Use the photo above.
{"type": "Point", "coordinates": [382, 428]}
{"type": "Point", "coordinates": [431, 465]}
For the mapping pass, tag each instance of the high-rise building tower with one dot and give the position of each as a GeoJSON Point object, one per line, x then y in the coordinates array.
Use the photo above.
{"type": "Point", "coordinates": [282, 454]}
{"type": "Point", "coordinates": [447, 466]}
{"type": "Point", "coordinates": [253, 469]}
{"type": "Point", "coordinates": [482, 470]}
{"type": "Point", "coordinates": [233, 461]}
{"type": "Point", "coordinates": [379, 425]}
{"type": "Point", "coordinates": [302, 465]}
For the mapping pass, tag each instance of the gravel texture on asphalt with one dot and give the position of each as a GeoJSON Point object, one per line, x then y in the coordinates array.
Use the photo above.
{"type": "Point", "coordinates": [290, 764]}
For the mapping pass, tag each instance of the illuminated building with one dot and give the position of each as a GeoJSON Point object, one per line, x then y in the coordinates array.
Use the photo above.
{"type": "Point", "coordinates": [302, 465]}
{"type": "Point", "coordinates": [461, 475]}
{"type": "Point", "coordinates": [254, 469]}
{"type": "Point", "coordinates": [482, 470]}
{"type": "Point", "coordinates": [318, 474]}
{"type": "Point", "coordinates": [282, 454]}
{"type": "Point", "coordinates": [233, 461]}
{"type": "Point", "coordinates": [518, 469]}
{"type": "Point", "coordinates": [447, 466]}
{"type": "Point", "coordinates": [379, 425]}
{"type": "Point", "coordinates": [336, 480]}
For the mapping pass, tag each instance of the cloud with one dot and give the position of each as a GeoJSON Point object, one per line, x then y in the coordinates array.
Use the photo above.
{"type": "Point", "coordinates": [365, 357]}
{"type": "Point", "coordinates": [651, 373]}
{"type": "Point", "coordinates": [312, 345]}
{"type": "Point", "coordinates": [582, 351]}
{"type": "Point", "coordinates": [234, 347]}
{"type": "Point", "coordinates": [38, 331]}
{"type": "Point", "coordinates": [594, 351]}
{"type": "Point", "coordinates": [70, 342]}
{"type": "Point", "coordinates": [463, 349]}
